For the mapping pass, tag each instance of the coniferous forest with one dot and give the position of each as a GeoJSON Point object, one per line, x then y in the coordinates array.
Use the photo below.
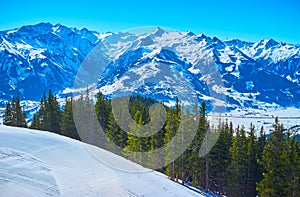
{"type": "Point", "coordinates": [244, 161]}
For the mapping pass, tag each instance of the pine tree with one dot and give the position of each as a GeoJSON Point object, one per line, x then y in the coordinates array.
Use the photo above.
{"type": "Point", "coordinates": [237, 170]}
{"type": "Point", "coordinates": [261, 141]}
{"type": "Point", "coordinates": [48, 117]}
{"type": "Point", "coordinates": [19, 114]}
{"type": "Point", "coordinates": [193, 152]}
{"type": "Point", "coordinates": [186, 132]}
{"type": "Point", "coordinates": [117, 138]}
{"type": "Point", "coordinates": [68, 127]}
{"type": "Point", "coordinates": [53, 113]}
{"type": "Point", "coordinates": [36, 123]}
{"type": "Point", "coordinates": [14, 115]}
{"type": "Point", "coordinates": [170, 129]}
{"type": "Point", "coordinates": [220, 158]}
{"type": "Point", "coordinates": [203, 129]}
{"type": "Point", "coordinates": [8, 115]}
{"type": "Point", "coordinates": [178, 163]}
{"type": "Point", "coordinates": [294, 166]}
{"type": "Point", "coordinates": [252, 165]}
{"type": "Point", "coordinates": [86, 120]}
{"type": "Point", "coordinates": [174, 165]}
{"type": "Point", "coordinates": [79, 116]}
{"type": "Point", "coordinates": [42, 113]}
{"type": "Point", "coordinates": [102, 108]}
{"type": "Point", "coordinates": [156, 140]}
{"type": "Point", "coordinates": [137, 144]}
{"type": "Point", "coordinates": [90, 132]}
{"type": "Point", "coordinates": [275, 160]}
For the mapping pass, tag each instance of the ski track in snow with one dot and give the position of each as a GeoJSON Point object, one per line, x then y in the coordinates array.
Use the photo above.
{"type": "Point", "coordinates": [29, 175]}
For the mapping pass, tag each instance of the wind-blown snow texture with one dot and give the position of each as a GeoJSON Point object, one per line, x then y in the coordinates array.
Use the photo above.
{"type": "Point", "coordinates": [39, 163]}
{"type": "Point", "coordinates": [259, 75]}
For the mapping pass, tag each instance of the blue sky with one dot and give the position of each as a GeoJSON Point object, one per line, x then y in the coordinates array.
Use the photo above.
{"type": "Point", "coordinates": [250, 20]}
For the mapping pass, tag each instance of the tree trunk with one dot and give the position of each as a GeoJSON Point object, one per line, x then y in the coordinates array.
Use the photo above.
{"type": "Point", "coordinates": [206, 173]}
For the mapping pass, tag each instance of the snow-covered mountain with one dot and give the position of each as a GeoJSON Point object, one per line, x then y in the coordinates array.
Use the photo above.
{"type": "Point", "coordinates": [37, 58]}
{"type": "Point", "coordinates": [40, 163]}
{"type": "Point", "coordinates": [254, 75]}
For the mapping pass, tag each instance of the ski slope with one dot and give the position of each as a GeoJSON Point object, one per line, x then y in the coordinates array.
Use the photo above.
{"type": "Point", "coordinates": [40, 163]}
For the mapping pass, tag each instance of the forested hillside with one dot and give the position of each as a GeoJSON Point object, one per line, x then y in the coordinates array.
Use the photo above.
{"type": "Point", "coordinates": [242, 162]}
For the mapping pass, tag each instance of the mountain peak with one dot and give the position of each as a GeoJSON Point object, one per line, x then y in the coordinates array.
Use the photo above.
{"type": "Point", "coordinates": [272, 42]}
{"type": "Point", "coordinates": [215, 39]}
{"type": "Point", "coordinates": [40, 27]}
{"type": "Point", "coordinates": [158, 31]}
{"type": "Point", "coordinates": [44, 26]}
{"type": "Point", "coordinates": [190, 33]}
{"type": "Point", "coordinates": [267, 43]}
{"type": "Point", "coordinates": [58, 25]}
{"type": "Point", "coordinates": [201, 36]}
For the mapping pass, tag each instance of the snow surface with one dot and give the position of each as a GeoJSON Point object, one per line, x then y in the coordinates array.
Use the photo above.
{"type": "Point", "coordinates": [289, 117]}
{"type": "Point", "coordinates": [39, 163]}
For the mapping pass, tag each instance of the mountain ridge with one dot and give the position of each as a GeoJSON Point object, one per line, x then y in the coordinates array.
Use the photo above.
{"type": "Point", "coordinates": [45, 56]}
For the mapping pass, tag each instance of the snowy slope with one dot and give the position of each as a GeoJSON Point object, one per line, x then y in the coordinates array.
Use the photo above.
{"type": "Point", "coordinates": [38, 163]}
{"type": "Point", "coordinates": [254, 74]}
{"type": "Point", "coordinates": [41, 57]}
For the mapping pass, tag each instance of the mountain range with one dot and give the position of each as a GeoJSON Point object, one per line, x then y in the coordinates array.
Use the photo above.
{"type": "Point", "coordinates": [254, 75]}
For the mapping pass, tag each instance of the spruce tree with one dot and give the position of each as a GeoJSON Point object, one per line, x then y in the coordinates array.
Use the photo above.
{"type": "Point", "coordinates": [14, 115]}
{"type": "Point", "coordinates": [156, 140]}
{"type": "Point", "coordinates": [193, 152]}
{"type": "Point", "coordinates": [237, 170]}
{"type": "Point", "coordinates": [43, 113]}
{"type": "Point", "coordinates": [294, 166]}
{"type": "Point", "coordinates": [220, 158]}
{"type": "Point", "coordinates": [115, 136]}
{"type": "Point", "coordinates": [102, 108]}
{"type": "Point", "coordinates": [186, 131]}
{"type": "Point", "coordinates": [275, 160]}
{"type": "Point", "coordinates": [170, 129]}
{"type": "Point", "coordinates": [203, 129]}
{"type": "Point", "coordinates": [178, 167]}
{"type": "Point", "coordinates": [8, 115]}
{"type": "Point", "coordinates": [252, 165]}
{"type": "Point", "coordinates": [48, 117]}
{"type": "Point", "coordinates": [137, 144]}
{"type": "Point", "coordinates": [89, 119]}
{"type": "Point", "coordinates": [68, 127]}
{"type": "Point", "coordinates": [53, 113]}
{"type": "Point", "coordinates": [36, 123]}
{"type": "Point", "coordinates": [19, 114]}
{"type": "Point", "coordinates": [261, 141]}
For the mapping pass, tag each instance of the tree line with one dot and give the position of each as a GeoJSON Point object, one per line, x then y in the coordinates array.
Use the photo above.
{"type": "Point", "coordinates": [14, 114]}
{"type": "Point", "coordinates": [242, 162]}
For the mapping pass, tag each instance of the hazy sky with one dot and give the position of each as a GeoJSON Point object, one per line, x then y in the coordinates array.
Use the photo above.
{"type": "Point", "coordinates": [250, 20]}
